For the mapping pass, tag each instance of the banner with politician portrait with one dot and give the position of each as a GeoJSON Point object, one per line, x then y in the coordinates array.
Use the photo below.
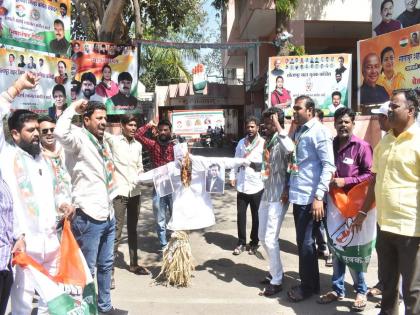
{"type": "Point", "coordinates": [196, 122]}
{"type": "Point", "coordinates": [107, 73]}
{"type": "Point", "coordinates": [42, 25]}
{"type": "Point", "coordinates": [388, 62]}
{"type": "Point", "coordinates": [326, 78]}
{"type": "Point", "coordinates": [54, 84]}
{"type": "Point", "coordinates": [389, 16]}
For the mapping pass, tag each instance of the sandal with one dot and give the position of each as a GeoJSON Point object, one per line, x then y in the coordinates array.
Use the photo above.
{"type": "Point", "coordinates": [296, 294]}
{"type": "Point", "coordinates": [359, 303]}
{"type": "Point", "coordinates": [374, 291]}
{"type": "Point", "coordinates": [139, 270]}
{"type": "Point", "coordinates": [238, 250]}
{"type": "Point", "coordinates": [330, 297]}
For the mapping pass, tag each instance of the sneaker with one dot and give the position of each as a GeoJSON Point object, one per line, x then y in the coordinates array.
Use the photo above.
{"type": "Point", "coordinates": [239, 249]}
{"type": "Point", "coordinates": [114, 311]}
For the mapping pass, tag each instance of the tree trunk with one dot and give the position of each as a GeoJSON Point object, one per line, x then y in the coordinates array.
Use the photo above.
{"type": "Point", "coordinates": [111, 29]}
{"type": "Point", "coordinates": [139, 27]}
{"type": "Point", "coordinates": [282, 23]}
{"type": "Point", "coordinates": [85, 19]}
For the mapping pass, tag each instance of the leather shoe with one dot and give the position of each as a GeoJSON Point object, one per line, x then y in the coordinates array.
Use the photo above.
{"type": "Point", "coordinates": [139, 270]}
{"type": "Point", "coordinates": [272, 289]}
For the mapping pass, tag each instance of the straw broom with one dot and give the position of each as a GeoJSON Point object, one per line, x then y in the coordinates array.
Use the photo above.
{"type": "Point", "coordinates": [177, 264]}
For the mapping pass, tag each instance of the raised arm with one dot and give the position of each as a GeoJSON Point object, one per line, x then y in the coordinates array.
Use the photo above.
{"type": "Point", "coordinates": [26, 81]}
{"type": "Point", "coordinates": [64, 131]}
{"type": "Point", "coordinates": [141, 136]}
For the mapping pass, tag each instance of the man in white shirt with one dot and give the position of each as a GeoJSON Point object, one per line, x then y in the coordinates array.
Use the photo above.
{"type": "Point", "coordinates": [35, 203]}
{"type": "Point", "coordinates": [248, 184]}
{"type": "Point", "coordinates": [127, 155]}
{"type": "Point", "coordinates": [336, 102]}
{"type": "Point", "coordinates": [93, 189]}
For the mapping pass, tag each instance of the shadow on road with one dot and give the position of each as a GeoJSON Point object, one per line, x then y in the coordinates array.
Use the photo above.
{"type": "Point", "coordinates": [227, 270]}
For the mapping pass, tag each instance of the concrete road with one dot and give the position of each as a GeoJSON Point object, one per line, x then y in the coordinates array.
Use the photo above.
{"type": "Point", "coordinates": [223, 283]}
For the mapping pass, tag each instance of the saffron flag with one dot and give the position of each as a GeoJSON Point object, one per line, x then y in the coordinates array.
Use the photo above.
{"type": "Point", "coordinates": [352, 248]}
{"type": "Point", "coordinates": [72, 290]}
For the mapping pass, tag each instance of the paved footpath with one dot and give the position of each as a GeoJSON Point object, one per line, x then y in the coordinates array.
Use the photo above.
{"type": "Point", "coordinates": [222, 283]}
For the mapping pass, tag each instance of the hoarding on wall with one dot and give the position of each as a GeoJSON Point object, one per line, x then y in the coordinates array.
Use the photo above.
{"type": "Point", "coordinates": [317, 76]}
{"type": "Point", "coordinates": [388, 62]}
{"type": "Point", "coordinates": [42, 25]}
{"type": "Point", "coordinates": [389, 16]}
{"type": "Point", "coordinates": [195, 122]}
{"type": "Point", "coordinates": [111, 71]}
{"type": "Point", "coordinates": [53, 72]}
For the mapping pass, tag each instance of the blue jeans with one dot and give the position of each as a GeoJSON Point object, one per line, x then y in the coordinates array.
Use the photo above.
{"type": "Point", "coordinates": [339, 270]}
{"type": "Point", "coordinates": [308, 258]}
{"type": "Point", "coordinates": [162, 206]}
{"type": "Point", "coordinates": [96, 241]}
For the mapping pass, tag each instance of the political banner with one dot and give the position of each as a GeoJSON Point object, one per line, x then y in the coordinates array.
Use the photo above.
{"type": "Point", "coordinates": [196, 122]}
{"type": "Point", "coordinates": [42, 25]}
{"type": "Point", "coordinates": [325, 78]}
{"type": "Point", "coordinates": [51, 91]}
{"type": "Point", "coordinates": [72, 290]}
{"type": "Point", "coordinates": [107, 73]}
{"type": "Point", "coordinates": [387, 63]}
{"type": "Point", "coordinates": [352, 248]}
{"type": "Point", "coordinates": [389, 16]}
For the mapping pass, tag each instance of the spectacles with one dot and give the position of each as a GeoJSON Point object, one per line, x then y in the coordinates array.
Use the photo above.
{"type": "Point", "coordinates": [45, 131]}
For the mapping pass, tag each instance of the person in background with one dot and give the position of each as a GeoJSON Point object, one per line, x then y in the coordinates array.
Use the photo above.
{"type": "Point", "coordinates": [388, 78]}
{"type": "Point", "coordinates": [387, 24]}
{"type": "Point", "coordinates": [248, 184]}
{"type": "Point", "coordinates": [162, 152]}
{"type": "Point", "coordinates": [280, 97]}
{"type": "Point", "coordinates": [106, 88]}
{"type": "Point", "coordinates": [62, 76]}
{"type": "Point", "coordinates": [127, 156]}
{"type": "Point", "coordinates": [335, 102]}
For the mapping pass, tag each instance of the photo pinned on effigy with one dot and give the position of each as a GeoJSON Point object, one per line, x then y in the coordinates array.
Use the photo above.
{"type": "Point", "coordinates": [162, 181]}
{"type": "Point", "coordinates": [215, 183]}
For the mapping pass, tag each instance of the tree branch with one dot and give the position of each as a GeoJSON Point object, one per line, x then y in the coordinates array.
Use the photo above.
{"type": "Point", "coordinates": [111, 28]}
{"type": "Point", "coordinates": [139, 27]}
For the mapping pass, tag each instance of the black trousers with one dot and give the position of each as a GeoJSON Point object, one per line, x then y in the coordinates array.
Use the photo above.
{"type": "Point", "coordinates": [399, 255]}
{"type": "Point", "coordinates": [6, 281]}
{"type": "Point", "coordinates": [242, 202]}
{"type": "Point", "coordinates": [131, 206]}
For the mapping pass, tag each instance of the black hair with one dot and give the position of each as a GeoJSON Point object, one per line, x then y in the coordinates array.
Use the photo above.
{"type": "Point", "coordinates": [92, 106]}
{"type": "Point", "coordinates": [274, 111]}
{"type": "Point", "coordinates": [344, 111]}
{"type": "Point", "coordinates": [59, 88]}
{"type": "Point", "coordinates": [384, 2]}
{"type": "Point", "coordinates": [75, 86]}
{"type": "Point", "coordinates": [279, 77]}
{"type": "Point", "coordinates": [336, 93]}
{"type": "Point", "coordinates": [319, 113]}
{"type": "Point", "coordinates": [252, 119]}
{"type": "Point", "coordinates": [61, 61]}
{"type": "Point", "coordinates": [88, 76]}
{"type": "Point", "coordinates": [341, 57]}
{"type": "Point", "coordinates": [164, 122]}
{"type": "Point", "coordinates": [19, 117]}
{"type": "Point", "coordinates": [58, 21]}
{"type": "Point", "coordinates": [105, 66]}
{"type": "Point", "coordinates": [46, 118]}
{"type": "Point", "coordinates": [411, 97]}
{"type": "Point", "coordinates": [63, 5]}
{"type": "Point", "coordinates": [309, 102]}
{"type": "Point", "coordinates": [125, 76]}
{"type": "Point", "coordinates": [11, 55]}
{"type": "Point", "coordinates": [215, 164]}
{"type": "Point", "coordinates": [338, 72]}
{"type": "Point", "coordinates": [127, 118]}
{"type": "Point", "coordinates": [384, 51]}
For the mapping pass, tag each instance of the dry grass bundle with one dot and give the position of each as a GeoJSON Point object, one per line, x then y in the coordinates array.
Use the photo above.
{"type": "Point", "coordinates": [177, 265]}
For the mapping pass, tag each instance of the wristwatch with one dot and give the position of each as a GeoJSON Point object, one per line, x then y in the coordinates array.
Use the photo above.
{"type": "Point", "coordinates": [319, 198]}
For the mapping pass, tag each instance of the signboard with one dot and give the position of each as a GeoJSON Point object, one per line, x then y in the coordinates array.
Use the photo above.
{"type": "Point", "coordinates": [190, 122]}
{"type": "Point", "coordinates": [54, 77]}
{"type": "Point", "coordinates": [318, 76]}
{"type": "Point", "coordinates": [388, 62]}
{"type": "Point", "coordinates": [389, 16]}
{"type": "Point", "coordinates": [42, 25]}
{"type": "Point", "coordinates": [108, 73]}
